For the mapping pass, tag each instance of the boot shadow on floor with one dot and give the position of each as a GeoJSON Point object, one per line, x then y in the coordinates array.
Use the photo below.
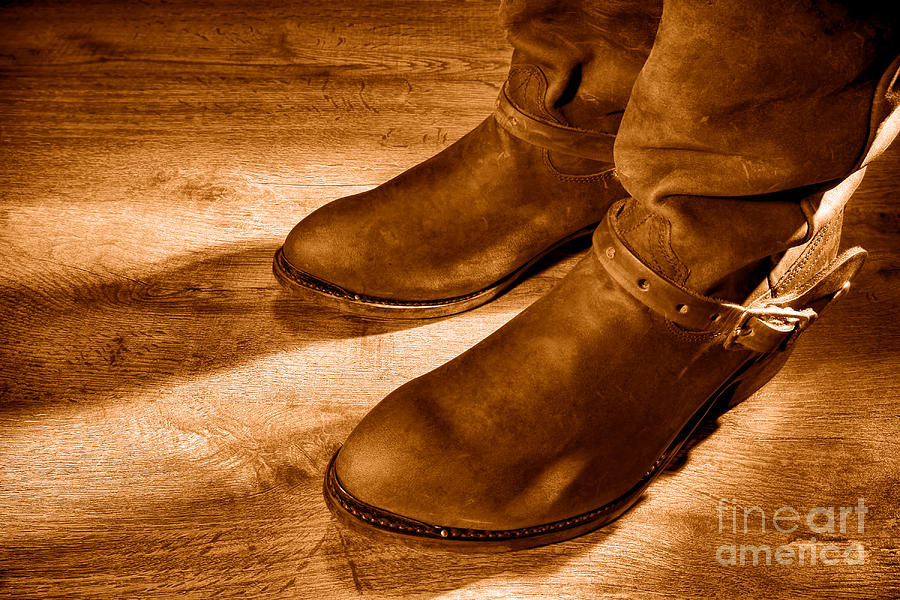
{"type": "Point", "coordinates": [199, 313]}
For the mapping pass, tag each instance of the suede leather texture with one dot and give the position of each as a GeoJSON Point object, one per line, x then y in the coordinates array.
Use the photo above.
{"type": "Point", "coordinates": [743, 112]}
{"type": "Point", "coordinates": [740, 113]}
{"type": "Point", "coordinates": [743, 99]}
{"type": "Point", "coordinates": [491, 202]}
{"type": "Point", "coordinates": [456, 223]}
{"type": "Point", "coordinates": [549, 417]}
{"type": "Point", "coordinates": [590, 52]}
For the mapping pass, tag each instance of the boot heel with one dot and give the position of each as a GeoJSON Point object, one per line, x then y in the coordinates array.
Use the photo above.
{"type": "Point", "coordinates": [751, 379]}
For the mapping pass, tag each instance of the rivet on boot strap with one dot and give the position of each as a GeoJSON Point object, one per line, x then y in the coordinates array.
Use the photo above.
{"type": "Point", "coordinates": [680, 306]}
{"type": "Point", "coordinates": [765, 325]}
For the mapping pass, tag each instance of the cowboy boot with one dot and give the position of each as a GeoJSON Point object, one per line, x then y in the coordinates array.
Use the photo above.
{"type": "Point", "coordinates": [555, 424]}
{"type": "Point", "coordinates": [457, 230]}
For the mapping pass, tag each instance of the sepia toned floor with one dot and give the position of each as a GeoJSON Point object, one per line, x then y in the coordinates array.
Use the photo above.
{"type": "Point", "coordinates": [166, 412]}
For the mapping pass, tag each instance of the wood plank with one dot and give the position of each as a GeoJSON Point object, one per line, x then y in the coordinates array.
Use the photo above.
{"type": "Point", "coordinates": [166, 412]}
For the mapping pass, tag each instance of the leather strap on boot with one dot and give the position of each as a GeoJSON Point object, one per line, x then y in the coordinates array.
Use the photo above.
{"type": "Point", "coordinates": [765, 324]}
{"type": "Point", "coordinates": [593, 145]}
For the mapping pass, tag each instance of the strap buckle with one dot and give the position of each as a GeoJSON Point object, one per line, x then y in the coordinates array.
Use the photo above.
{"type": "Point", "coordinates": [770, 328]}
{"type": "Point", "coordinates": [840, 292]}
{"type": "Point", "coordinates": [781, 325]}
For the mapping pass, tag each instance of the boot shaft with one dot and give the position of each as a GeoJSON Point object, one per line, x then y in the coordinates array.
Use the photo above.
{"type": "Point", "coordinates": [575, 62]}
{"type": "Point", "coordinates": [741, 120]}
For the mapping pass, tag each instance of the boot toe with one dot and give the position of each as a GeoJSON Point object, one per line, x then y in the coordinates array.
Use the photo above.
{"type": "Point", "coordinates": [319, 246]}
{"type": "Point", "coordinates": [348, 250]}
{"type": "Point", "coordinates": [406, 458]}
{"type": "Point", "coordinates": [387, 463]}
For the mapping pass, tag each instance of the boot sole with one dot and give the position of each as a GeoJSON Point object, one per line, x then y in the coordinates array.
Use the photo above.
{"type": "Point", "coordinates": [390, 527]}
{"type": "Point", "coordinates": [329, 295]}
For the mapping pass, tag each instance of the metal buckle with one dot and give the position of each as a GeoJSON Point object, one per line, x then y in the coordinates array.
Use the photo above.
{"type": "Point", "coordinates": [782, 319]}
{"type": "Point", "coordinates": [774, 317]}
{"type": "Point", "coordinates": [843, 290]}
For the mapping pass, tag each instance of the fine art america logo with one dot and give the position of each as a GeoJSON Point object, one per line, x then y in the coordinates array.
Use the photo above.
{"type": "Point", "coordinates": [829, 522]}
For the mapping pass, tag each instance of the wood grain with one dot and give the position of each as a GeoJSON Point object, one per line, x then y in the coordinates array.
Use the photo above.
{"type": "Point", "coordinates": [166, 413]}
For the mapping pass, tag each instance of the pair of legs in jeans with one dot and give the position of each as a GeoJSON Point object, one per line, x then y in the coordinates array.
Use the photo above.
{"type": "Point", "coordinates": [720, 138]}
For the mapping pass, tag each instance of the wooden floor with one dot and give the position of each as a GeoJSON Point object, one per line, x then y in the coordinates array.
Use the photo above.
{"type": "Point", "coordinates": [166, 412]}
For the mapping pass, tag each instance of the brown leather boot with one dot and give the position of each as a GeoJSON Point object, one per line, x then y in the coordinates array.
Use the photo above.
{"type": "Point", "coordinates": [457, 230]}
{"type": "Point", "coordinates": [728, 153]}
{"type": "Point", "coordinates": [555, 424]}
{"type": "Point", "coordinates": [552, 426]}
